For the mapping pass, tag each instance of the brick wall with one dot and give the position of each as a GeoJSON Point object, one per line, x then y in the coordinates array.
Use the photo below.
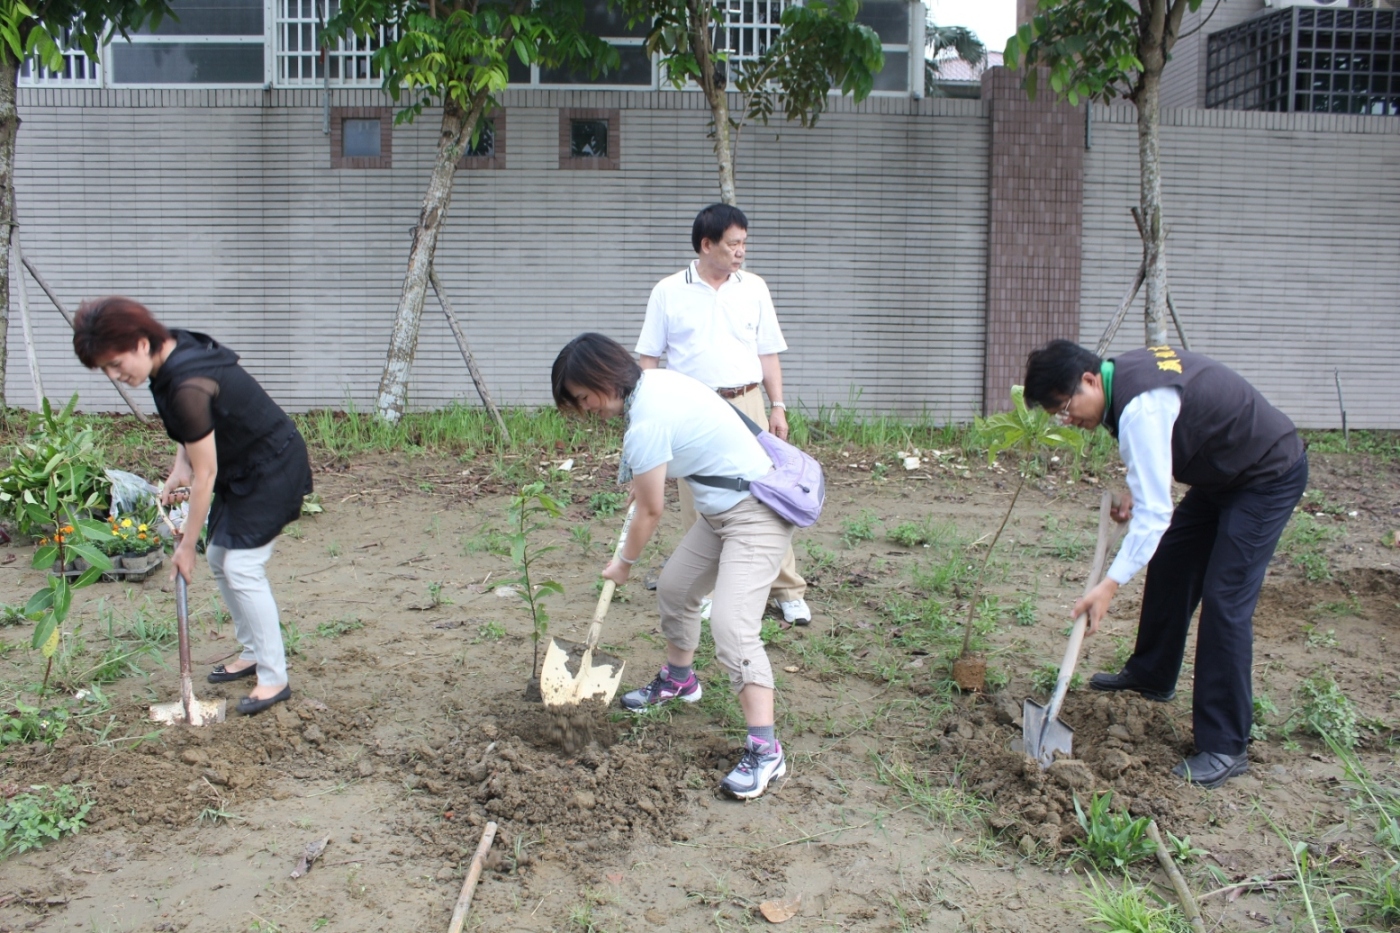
{"type": "Point", "coordinates": [1034, 222]}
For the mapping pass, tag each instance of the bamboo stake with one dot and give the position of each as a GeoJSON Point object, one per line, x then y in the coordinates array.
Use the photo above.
{"type": "Point", "coordinates": [23, 289]}
{"type": "Point", "coordinates": [1183, 891]}
{"type": "Point", "coordinates": [462, 345]}
{"type": "Point", "coordinates": [1117, 320]}
{"type": "Point", "coordinates": [1180, 332]}
{"type": "Point", "coordinates": [464, 900]}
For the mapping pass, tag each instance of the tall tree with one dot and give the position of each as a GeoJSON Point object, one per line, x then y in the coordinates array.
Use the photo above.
{"type": "Point", "coordinates": [456, 54]}
{"type": "Point", "coordinates": [1099, 50]}
{"type": "Point", "coordinates": [819, 47]}
{"type": "Point", "coordinates": [43, 32]}
{"type": "Point", "coordinates": [959, 40]}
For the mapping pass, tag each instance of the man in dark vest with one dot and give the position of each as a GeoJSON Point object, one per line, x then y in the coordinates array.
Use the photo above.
{"type": "Point", "coordinates": [1183, 415]}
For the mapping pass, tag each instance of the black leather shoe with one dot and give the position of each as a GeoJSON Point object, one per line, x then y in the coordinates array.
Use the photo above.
{"type": "Point", "coordinates": [1125, 681]}
{"type": "Point", "coordinates": [1208, 769]}
{"type": "Point", "coordinates": [251, 707]}
{"type": "Point", "coordinates": [222, 675]}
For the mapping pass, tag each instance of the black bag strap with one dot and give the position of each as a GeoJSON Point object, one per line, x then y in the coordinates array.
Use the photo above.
{"type": "Point", "coordinates": [730, 482]}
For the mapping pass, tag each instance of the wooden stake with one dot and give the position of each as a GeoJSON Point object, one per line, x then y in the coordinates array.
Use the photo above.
{"type": "Point", "coordinates": [464, 900]}
{"type": "Point", "coordinates": [1183, 891]}
{"type": "Point", "coordinates": [23, 294]}
{"type": "Point", "coordinates": [477, 378]}
{"type": "Point", "coordinates": [121, 389]}
{"type": "Point", "coordinates": [1117, 320]}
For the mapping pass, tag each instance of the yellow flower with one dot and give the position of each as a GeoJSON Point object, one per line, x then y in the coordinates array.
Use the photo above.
{"type": "Point", "coordinates": [126, 523]}
{"type": "Point", "coordinates": [141, 528]}
{"type": "Point", "coordinates": [116, 533]}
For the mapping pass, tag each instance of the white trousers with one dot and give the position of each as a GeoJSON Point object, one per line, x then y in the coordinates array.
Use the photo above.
{"type": "Point", "coordinates": [242, 578]}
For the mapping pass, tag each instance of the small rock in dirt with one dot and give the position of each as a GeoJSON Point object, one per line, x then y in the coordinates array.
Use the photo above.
{"type": "Point", "coordinates": [313, 734]}
{"type": "Point", "coordinates": [646, 806]}
{"type": "Point", "coordinates": [654, 916]}
{"type": "Point", "coordinates": [191, 757]}
{"type": "Point", "coordinates": [364, 767]}
{"type": "Point", "coordinates": [1120, 733]}
{"type": "Point", "coordinates": [964, 729]}
{"type": "Point", "coordinates": [1072, 774]}
{"type": "Point", "coordinates": [435, 787]}
{"type": "Point", "coordinates": [1008, 713]}
{"type": "Point", "coordinates": [217, 778]}
{"type": "Point", "coordinates": [584, 800]}
{"type": "Point", "coordinates": [356, 838]}
{"type": "Point", "coordinates": [286, 719]}
{"type": "Point", "coordinates": [489, 730]}
{"type": "Point", "coordinates": [1026, 845]}
{"type": "Point", "coordinates": [1114, 762]}
{"type": "Point", "coordinates": [1280, 773]}
{"type": "Point", "coordinates": [71, 776]}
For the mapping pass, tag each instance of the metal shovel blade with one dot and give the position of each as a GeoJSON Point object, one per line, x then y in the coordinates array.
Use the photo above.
{"type": "Point", "coordinates": [572, 674]}
{"type": "Point", "coordinates": [1043, 735]}
{"type": "Point", "coordinates": [201, 712]}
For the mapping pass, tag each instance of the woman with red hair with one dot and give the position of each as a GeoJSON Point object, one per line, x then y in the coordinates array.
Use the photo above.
{"type": "Point", "coordinates": [242, 458]}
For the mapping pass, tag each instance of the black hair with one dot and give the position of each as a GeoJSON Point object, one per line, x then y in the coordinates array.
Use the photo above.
{"type": "Point", "coordinates": [592, 361]}
{"type": "Point", "coordinates": [711, 223]}
{"type": "Point", "coordinates": [1054, 371]}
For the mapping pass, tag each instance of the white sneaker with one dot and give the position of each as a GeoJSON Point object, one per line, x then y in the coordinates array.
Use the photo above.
{"type": "Point", "coordinates": [761, 764]}
{"type": "Point", "coordinates": [706, 605]}
{"type": "Point", "coordinates": [795, 612]}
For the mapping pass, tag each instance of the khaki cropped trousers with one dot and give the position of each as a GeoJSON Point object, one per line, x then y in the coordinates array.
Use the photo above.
{"type": "Point", "coordinates": [789, 584]}
{"type": "Point", "coordinates": [735, 555]}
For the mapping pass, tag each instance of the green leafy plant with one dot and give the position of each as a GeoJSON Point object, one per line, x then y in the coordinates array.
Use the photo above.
{"type": "Point", "coordinates": [606, 504]}
{"type": "Point", "coordinates": [1324, 710]}
{"type": "Point", "coordinates": [27, 724]}
{"type": "Point", "coordinates": [48, 607]}
{"type": "Point", "coordinates": [40, 815]}
{"type": "Point", "coordinates": [529, 513]}
{"type": "Point", "coordinates": [582, 535]}
{"type": "Point", "coordinates": [1263, 709]}
{"type": "Point", "coordinates": [1027, 432]}
{"type": "Point", "coordinates": [1043, 678]}
{"type": "Point", "coordinates": [1131, 909]}
{"type": "Point", "coordinates": [909, 534]}
{"type": "Point", "coordinates": [337, 627]}
{"type": "Point", "coordinates": [12, 615]}
{"type": "Point", "coordinates": [58, 467]}
{"type": "Point", "coordinates": [858, 528]}
{"type": "Point", "coordinates": [1111, 840]}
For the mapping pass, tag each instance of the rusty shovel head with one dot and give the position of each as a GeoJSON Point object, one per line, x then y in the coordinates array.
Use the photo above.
{"type": "Point", "coordinates": [201, 712]}
{"type": "Point", "coordinates": [572, 673]}
{"type": "Point", "coordinates": [1043, 735]}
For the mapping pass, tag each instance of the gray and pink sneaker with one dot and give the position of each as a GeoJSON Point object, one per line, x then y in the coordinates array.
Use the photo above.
{"type": "Point", "coordinates": [761, 764]}
{"type": "Point", "coordinates": [662, 690]}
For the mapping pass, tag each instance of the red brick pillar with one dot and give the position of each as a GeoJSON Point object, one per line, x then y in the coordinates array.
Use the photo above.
{"type": "Point", "coordinates": [1035, 222]}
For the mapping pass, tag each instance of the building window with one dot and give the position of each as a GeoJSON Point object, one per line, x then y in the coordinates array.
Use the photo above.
{"type": "Point", "coordinates": [77, 70]}
{"type": "Point", "coordinates": [589, 139]}
{"type": "Point", "coordinates": [891, 21]}
{"type": "Point", "coordinates": [748, 27]}
{"type": "Point", "coordinates": [206, 42]}
{"type": "Point", "coordinates": [362, 137]}
{"type": "Point", "coordinates": [602, 19]}
{"type": "Point", "coordinates": [298, 32]}
{"type": "Point", "coordinates": [489, 152]}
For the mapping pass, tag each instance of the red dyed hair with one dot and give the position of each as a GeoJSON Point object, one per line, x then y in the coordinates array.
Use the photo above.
{"type": "Point", "coordinates": [108, 326]}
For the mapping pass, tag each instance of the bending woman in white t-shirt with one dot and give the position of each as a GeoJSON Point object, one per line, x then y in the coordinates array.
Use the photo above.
{"type": "Point", "coordinates": [678, 427]}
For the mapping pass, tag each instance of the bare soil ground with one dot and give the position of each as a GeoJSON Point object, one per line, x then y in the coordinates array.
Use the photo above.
{"type": "Point", "coordinates": [907, 805]}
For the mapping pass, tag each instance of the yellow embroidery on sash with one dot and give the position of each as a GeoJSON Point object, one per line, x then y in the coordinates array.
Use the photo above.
{"type": "Point", "coordinates": [1167, 360]}
{"type": "Point", "coordinates": [1169, 365]}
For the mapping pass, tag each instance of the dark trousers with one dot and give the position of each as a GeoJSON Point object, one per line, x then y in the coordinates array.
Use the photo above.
{"type": "Point", "coordinates": [1213, 555]}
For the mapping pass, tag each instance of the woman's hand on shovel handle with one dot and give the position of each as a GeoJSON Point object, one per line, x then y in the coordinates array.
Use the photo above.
{"type": "Point", "coordinates": [182, 561]}
{"type": "Point", "coordinates": [617, 571]}
{"type": "Point", "coordinates": [1096, 603]}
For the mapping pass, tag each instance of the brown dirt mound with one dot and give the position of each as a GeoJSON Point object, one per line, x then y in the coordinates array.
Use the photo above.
{"type": "Point", "coordinates": [1122, 743]}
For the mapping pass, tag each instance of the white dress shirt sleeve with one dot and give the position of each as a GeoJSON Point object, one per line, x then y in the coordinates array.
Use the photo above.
{"type": "Point", "coordinates": [652, 340]}
{"type": "Point", "coordinates": [769, 338]}
{"type": "Point", "coordinates": [1145, 443]}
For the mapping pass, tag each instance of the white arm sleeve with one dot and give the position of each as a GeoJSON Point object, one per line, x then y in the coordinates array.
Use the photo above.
{"type": "Point", "coordinates": [1145, 442]}
{"type": "Point", "coordinates": [770, 335]}
{"type": "Point", "coordinates": [652, 340]}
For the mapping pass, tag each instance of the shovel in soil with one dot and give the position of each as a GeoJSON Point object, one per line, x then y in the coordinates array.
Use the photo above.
{"type": "Point", "coordinates": [187, 709]}
{"type": "Point", "coordinates": [573, 673]}
{"type": "Point", "coordinates": [1042, 732]}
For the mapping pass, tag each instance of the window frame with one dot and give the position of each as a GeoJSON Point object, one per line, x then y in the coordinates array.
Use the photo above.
{"type": "Point", "coordinates": [612, 161]}
{"type": "Point", "coordinates": [282, 57]}
{"type": "Point", "coordinates": [385, 159]}
{"type": "Point", "coordinates": [108, 79]}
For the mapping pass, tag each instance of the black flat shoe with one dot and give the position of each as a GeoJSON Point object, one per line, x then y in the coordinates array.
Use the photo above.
{"type": "Point", "coordinates": [1209, 769]}
{"type": "Point", "coordinates": [251, 707]}
{"type": "Point", "coordinates": [222, 675]}
{"type": "Point", "coordinates": [1125, 681]}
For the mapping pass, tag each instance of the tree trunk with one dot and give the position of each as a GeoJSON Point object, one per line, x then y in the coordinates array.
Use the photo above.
{"type": "Point", "coordinates": [9, 127]}
{"type": "Point", "coordinates": [716, 95]}
{"type": "Point", "coordinates": [403, 344]}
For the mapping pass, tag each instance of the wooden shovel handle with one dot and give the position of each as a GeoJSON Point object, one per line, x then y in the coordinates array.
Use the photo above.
{"type": "Point", "coordinates": [1081, 622]}
{"type": "Point", "coordinates": [609, 587]}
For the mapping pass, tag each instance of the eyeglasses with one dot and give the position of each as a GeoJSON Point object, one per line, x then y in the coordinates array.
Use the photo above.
{"type": "Point", "coordinates": [1063, 415]}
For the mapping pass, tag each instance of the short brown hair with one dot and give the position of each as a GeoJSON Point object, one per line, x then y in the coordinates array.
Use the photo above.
{"type": "Point", "coordinates": [108, 326]}
{"type": "Point", "coordinates": [595, 362]}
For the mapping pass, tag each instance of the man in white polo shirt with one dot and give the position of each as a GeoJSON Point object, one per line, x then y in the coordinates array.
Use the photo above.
{"type": "Point", "coordinates": [715, 322]}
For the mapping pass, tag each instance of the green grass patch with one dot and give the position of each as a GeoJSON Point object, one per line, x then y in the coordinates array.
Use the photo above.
{"type": "Point", "coordinates": [40, 815]}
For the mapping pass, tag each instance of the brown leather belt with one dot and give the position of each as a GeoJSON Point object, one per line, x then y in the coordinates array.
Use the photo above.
{"type": "Point", "coordinates": [737, 391]}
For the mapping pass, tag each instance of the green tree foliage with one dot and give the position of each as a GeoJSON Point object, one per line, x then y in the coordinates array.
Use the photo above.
{"type": "Point", "coordinates": [959, 40]}
{"type": "Point", "coordinates": [821, 47]}
{"type": "Point", "coordinates": [1100, 50]}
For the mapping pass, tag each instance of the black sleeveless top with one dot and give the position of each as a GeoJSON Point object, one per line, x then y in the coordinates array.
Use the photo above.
{"type": "Point", "coordinates": [263, 468]}
{"type": "Point", "coordinates": [1227, 436]}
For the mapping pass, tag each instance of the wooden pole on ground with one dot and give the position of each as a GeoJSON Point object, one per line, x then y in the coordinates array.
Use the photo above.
{"type": "Point", "coordinates": [121, 389]}
{"type": "Point", "coordinates": [1116, 321]}
{"type": "Point", "coordinates": [464, 900]}
{"type": "Point", "coordinates": [462, 345]}
{"type": "Point", "coordinates": [22, 288]}
{"type": "Point", "coordinates": [1183, 891]}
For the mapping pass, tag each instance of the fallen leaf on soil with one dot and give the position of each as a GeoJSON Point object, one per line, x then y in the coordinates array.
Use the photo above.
{"type": "Point", "coordinates": [780, 911]}
{"type": "Point", "coordinates": [792, 668]}
{"type": "Point", "coordinates": [615, 877]}
{"type": "Point", "coordinates": [310, 854]}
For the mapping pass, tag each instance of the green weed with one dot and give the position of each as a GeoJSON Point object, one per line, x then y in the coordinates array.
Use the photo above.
{"type": "Point", "coordinates": [292, 638]}
{"type": "Point", "coordinates": [39, 815]}
{"type": "Point", "coordinates": [819, 559]}
{"type": "Point", "coordinates": [1043, 679]}
{"type": "Point", "coordinates": [1303, 542]}
{"type": "Point", "coordinates": [1323, 709]}
{"type": "Point", "coordinates": [582, 535]}
{"type": "Point", "coordinates": [28, 724]}
{"type": "Point", "coordinates": [606, 504]}
{"type": "Point", "coordinates": [491, 631]}
{"type": "Point", "coordinates": [1112, 840]}
{"type": "Point", "coordinates": [12, 615]}
{"type": "Point", "coordinates": [942, 799]}
{"type": "Point", "coordinates": [337, 627]}
{"type": "Point", "coordinates": [489, 541]}
{"type": "Point", "coordinates": [928, 533]}
{"type": "Point", "coordinates": [1131, 909]}
{"type": "Point", "coordinates": [1379, 896]}
{"type": "Point", "coordinates": [1263, 709]}
{"type": "Point", "coordinates": [858, 528]}
{"type": "Point", "coordinates": [1024, 612]}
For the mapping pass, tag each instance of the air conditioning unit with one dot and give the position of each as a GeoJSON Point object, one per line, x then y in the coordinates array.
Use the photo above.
{"type": "Point", "coordinates": [1325, 4]}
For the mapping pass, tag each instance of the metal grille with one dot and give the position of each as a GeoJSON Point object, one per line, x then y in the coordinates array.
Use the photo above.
{"type": "Point", "coordinates": [77, 71]}
{"type": "Point", "coordinates": [298, 37]}
{"type": "Point", "coordinates": [1308, 60]}
{"type": "Point", "coordinates": [748, 27]}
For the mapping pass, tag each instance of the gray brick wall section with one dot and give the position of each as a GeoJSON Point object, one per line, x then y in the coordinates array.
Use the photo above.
{"type": "Point", "coordinates": [220, 210]}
